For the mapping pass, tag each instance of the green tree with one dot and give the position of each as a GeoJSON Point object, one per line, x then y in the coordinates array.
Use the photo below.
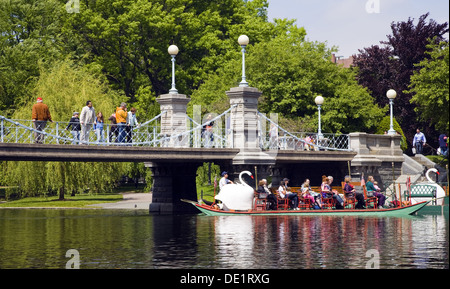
{"type": "Point", "coordinates": [291, 72]}
{"type": "Point", "coordinates": [65, 88]}
{"type": "Point", "coordinates": [392, 65]}
{"type": "Point", "coordinates": [29, 33]}
{"type": "Point", "coordinates": [129, 40]}
{"type": "Point", "coordinates": [385, 125]}
{"type": "Point", "coordinates": [430, 87]}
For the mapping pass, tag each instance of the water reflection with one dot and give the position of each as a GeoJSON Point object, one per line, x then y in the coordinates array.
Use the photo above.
{"type": "Point", "coordinates": [330, 242]}
{"type": "Point", "coordinates": [115, 239]}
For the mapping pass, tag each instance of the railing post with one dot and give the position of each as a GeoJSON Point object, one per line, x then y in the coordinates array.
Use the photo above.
{"type": "Point", "coordinates": [107, 134]}
{"type": "Point", "coordinates": [2, 128]}
{"type": "Point", "coordinates": [57, 132]}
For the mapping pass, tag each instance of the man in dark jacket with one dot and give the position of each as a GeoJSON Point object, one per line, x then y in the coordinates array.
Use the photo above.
{"type": "Point", "coordinates": [75, 124]}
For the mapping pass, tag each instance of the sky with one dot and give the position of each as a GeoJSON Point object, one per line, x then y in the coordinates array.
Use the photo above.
{"type": "Point", "coordinates": [354, 24]}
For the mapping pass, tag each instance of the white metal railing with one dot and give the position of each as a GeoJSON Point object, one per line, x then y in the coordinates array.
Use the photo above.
{"type": "Point", "coordinates": [195, 135]}
{"type": "Point", "coordinates": [276, 137]}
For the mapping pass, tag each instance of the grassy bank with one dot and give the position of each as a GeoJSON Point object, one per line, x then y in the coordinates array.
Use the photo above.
{"type": "Point", "coordinates": [77, 201]}
{"type": "Point", "coordinates": [208, 192]}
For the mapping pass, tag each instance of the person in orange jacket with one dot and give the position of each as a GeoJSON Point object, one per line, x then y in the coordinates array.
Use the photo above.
{"type": "Point", "coordinates": [121, 119]}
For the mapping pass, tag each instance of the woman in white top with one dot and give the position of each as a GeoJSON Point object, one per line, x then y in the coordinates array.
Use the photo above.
{"type": "Point", "coordinates": [284, 192]}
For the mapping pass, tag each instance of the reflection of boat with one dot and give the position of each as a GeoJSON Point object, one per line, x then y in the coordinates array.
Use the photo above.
{"type": "Point", "coordinates": [399, 211]}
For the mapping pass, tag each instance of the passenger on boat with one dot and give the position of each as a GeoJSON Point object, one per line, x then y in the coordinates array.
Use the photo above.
{"type": "Point", "coordinates": [224, 180]}
{"type": "Point", "coordinates": [285, 192]}
{"type": "Point", "coordinates": [308, 193]}
{"type": "Point", "coordinates": [372, 191]}
{"type": "Point", "coordinates": [264, 193]}
{"type": "Point", "coordinates": [338, 197]}
{"type": "Point", "coordinates": [350, 192]}
{"type": "Point", "coordinates": [327, 192]}
{"type": "Point", "coordinates": [377, 188]}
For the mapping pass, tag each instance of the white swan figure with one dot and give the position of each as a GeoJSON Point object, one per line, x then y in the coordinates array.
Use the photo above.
{"type": "Point", "coordinates": [237, 196]}
{"type": "Point", "coordinates": [440, 193]}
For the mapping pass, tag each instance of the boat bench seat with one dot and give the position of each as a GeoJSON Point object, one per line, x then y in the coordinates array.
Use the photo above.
{"type": "Point", "coordinates": [422, 191]}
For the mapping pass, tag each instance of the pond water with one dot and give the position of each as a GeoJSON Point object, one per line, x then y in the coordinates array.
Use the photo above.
{"type": "Point", "coordinates": [109, 239]}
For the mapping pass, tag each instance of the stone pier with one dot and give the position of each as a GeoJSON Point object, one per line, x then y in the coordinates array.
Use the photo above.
{"type": "Point", "coordinates": [376, 155]}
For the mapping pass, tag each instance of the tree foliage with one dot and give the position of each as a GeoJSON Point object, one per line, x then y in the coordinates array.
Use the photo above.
{"type": "Point", "coordinates": [391, 67]}
{"type": "Point", "coordinates": [385, 125]}
{"type": "Point", "coordinates": [29, 33]}
{"type": "Point", "coordinates": [291, 72]}
{"type": "Point", "coordinates": [65, 88]}
{"type": "Point", "coordinates": [430, 87]}
{"type": "Point", "coordinates": [129, 39]}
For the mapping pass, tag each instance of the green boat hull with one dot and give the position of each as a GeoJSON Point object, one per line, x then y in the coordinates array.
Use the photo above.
{"type": "Point", "coordinates": [397, 212]}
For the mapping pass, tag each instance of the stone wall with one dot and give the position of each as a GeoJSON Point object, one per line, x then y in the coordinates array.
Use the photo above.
{"type": "Point", "coordinates": [376, 155]}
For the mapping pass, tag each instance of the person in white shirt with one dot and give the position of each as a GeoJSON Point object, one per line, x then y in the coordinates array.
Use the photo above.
{"type": "Point", "coordinates": [224, 180]}
{"type": "Point", "coordinates": [285, 192]}
{"type": "Point", "coordinates": [419, 141]}
{"type": "Point", "coordinates": [131, 123]}
{"type": "Point", "coordinates": [87, 119]}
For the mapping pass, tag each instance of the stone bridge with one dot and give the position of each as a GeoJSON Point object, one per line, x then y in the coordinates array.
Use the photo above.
{"type": "Point", "coordinates": [239, 139]}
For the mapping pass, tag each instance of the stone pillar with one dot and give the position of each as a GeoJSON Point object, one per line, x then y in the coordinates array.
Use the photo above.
{"type": "Point", "coordinates": [172, 182]}
{"type": "Point", "coordinates": [174, 121]}
{"type": "Point", "coordinates": [244, 125]}
{"type": "Point", "coordinates": [244, 118]}
{"type": "Point", "coordinates": [377, 155]}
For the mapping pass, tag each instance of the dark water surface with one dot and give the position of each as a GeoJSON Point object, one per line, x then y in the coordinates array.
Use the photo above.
{"type": "Point", "coordinates": [109, 239]}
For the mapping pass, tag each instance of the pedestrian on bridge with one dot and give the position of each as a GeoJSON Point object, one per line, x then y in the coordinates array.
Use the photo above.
{"type": "Point", "coordinates": [74, 124]}
{"type": "Point", "coordinates": [87, 119]}
{"type": "Point", "coordinates": [121, 119]}
{"type": "Point", "coordinates": [40, 114]}
{"type": "Point", "coordinates": [131, 123]}
{"type": "Point", "coordinates": [99, 127]}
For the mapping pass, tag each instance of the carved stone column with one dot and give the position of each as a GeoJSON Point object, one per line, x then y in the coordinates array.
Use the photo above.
{"type": "Point", "coordinates": [174, 121]}
{"type": "Point", "coordinates": [244, 124]}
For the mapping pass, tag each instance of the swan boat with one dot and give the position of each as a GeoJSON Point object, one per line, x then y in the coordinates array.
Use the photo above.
{"type": "Point", "coordinates": [440, 192]}
{"type": "Point", "coordinates": [244, 194]}
{"type": "Point", "coordinates": [398, 211]}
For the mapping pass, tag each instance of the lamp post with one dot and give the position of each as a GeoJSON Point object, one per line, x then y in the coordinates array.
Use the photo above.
{"type": "Point", "coordinates": [319, 101]}
{"type": "Point", "coordinates": [243, 42]}
{"type": "Point", "coordinates": [173, 51]}
{"type": "Point", "coordinates": [391, 94]}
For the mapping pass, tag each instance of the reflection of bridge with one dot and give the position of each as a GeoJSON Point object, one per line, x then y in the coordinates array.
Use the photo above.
{"type": "Point", "coordinates": [173, 145]}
